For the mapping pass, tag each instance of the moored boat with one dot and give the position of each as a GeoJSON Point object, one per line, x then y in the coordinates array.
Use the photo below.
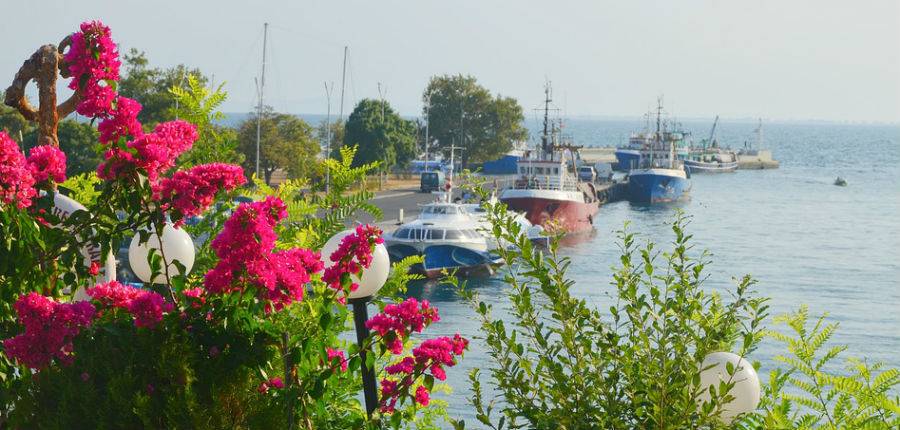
{"type": "Point", "coordinates": [661, 176]}
{"type": "Point", "coordinates": [548, 191]}
{"type": "Point", "coordinates": [709, 157]}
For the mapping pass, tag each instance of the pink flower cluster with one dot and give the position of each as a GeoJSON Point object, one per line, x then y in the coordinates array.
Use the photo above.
{"type": "Point", "coordinates": [336, 355]}
{"type": "Point", "coordinates": [431, 356]}
{"type": "Point", "coordinates": [245, 248]}
{"type": "Point", "coordinates": [146, 307]}
{"type": "Point", "coordinates": [190, 192]}
{"type": "Point", "coordinates": [154, 153]}
{"type": "Point", "coordinates": [353, 254]}
{"type": "Point", "coordinates": [49, 329]}
{"type": "Point", "coordinates": [121, 122]}
{"type": "Point", "coordinates": [276, 383]}
{"type": "Point", "coordinates": [93, 60]}
{"type": "Point", "coordinates": [47, 162]}
{"type": "Point", "coordinates": [398, 321]}
{"type": "Point", "coordinates": [16, 180]}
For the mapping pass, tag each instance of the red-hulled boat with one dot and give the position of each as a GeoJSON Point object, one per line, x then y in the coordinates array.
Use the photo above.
{"type": "Point", "coordinates": [548, 190]}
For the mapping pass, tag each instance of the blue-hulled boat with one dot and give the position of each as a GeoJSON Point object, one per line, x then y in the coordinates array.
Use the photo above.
{"type": "Point", "coordinates": [660, 176]}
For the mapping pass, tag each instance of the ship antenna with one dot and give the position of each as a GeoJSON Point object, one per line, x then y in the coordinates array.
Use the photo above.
{"type": "Point", "coordinates": [545, 138]}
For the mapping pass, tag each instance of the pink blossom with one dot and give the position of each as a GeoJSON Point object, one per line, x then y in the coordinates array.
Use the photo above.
{"type": "Point", "coordinates": [122, 121]}
{"type": "Point", "coordinates": [353, 254]}
{"type": "Point", "coordinates": [16, 180]}
{"type": "Point", "coordinates": [94, 270]}
{"type": "Point", "coordinates": [50, 328]}
{"type": "Point", "coordinates": [189, 192]}
{"type": "Point", "coordinates": [96, 100]}
{"type": "Point", "coordinates": [47, 162]}
{"type": "Point", "coordinates": [146, 307]}
{"type": "Point", "coordinates": [247, 259]}
{"type": "Point", "coordinates": [276, 383]}
{"type": "Point", "coordinates": [154, 153]}
{"type": "Point", "coordinates": [263, 388]}
{"type": "Point", "coordinates": [397, 322]}
{"type": "Point", "coordinates": [422, 395]}
{"type": "Point", "coordinates": [336, 354]}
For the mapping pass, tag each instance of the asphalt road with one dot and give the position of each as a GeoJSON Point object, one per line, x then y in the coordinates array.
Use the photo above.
{"type": "Point", "coordinates": [390, 203]}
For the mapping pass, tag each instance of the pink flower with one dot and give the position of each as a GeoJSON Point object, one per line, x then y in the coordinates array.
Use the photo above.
{"type": "Point", "coordinates": [353, 254]}
{"type": "Point", "coordinates": [189, 192]}
{"type": "Point", "coordinates": [422, 395]}
{"type": "Point", "coordinates": [16, 180]}
{"type": "Point", "coordinates": [276, 383]}
{"type": "Point", "coordinates": [94, 270]}
{"type": "Point", "coordinates": [122, 121]}
{"type": "Point", "coordinates": [339, 355]}
{"type": "Point", "coordinates": [154, 153]}
{"type": "Point", "coordinates": [96, 101]}
{"type": "Point", "coordinates": [247, 259]}
{"type": "Point", "coordinates": [47, 162]}
{"type": "Point", "coordinates": [263, 388]}
{"type": "Point", "coordinates": [146, 307]}
{"type": "Point", "coordinates": [50, 328]}
{"type": "Point", "coordinates": [397, 322]}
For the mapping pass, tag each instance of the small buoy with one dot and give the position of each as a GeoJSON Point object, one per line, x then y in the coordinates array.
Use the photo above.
{"type": "Point", "coordinates": [841, 182]}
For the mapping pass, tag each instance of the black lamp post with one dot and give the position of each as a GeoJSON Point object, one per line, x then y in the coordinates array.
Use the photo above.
{"type": "Point", "coordinates": [360, 316]}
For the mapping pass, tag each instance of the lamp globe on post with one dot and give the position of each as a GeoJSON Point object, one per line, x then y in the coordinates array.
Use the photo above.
{"type": "Point", "coordinates": [746, 389]}
{"type": "Point", "coordinates": [369, 281]}
{"type": "Point", "coordinates": [176, 246]}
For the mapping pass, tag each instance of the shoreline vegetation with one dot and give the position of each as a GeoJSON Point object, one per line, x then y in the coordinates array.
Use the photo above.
{"type": "Point", "coordinates": [251, 331]}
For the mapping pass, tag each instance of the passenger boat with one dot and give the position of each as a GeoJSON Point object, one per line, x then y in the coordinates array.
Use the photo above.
{"type": "Point", "coordinates": [548, 191]}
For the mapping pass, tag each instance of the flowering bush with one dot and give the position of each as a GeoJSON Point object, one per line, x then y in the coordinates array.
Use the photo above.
{"type": "Point", "coordinates": [249, 338]}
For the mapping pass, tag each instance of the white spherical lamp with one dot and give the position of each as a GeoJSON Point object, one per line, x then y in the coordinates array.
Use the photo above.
{"type": "Point", "coordinates": [746, 390]}
{"type": "Point", "coordinates": [176, 245]}
{"type": "Point", "coordinates": [372, 278]}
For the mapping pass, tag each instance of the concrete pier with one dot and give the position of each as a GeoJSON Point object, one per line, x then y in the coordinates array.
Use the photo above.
{"type": "Point", "coordinates": [757, 160]}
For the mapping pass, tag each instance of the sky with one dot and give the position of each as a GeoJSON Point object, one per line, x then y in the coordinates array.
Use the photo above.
{"type": "Point", "coordinates": [773, 59]}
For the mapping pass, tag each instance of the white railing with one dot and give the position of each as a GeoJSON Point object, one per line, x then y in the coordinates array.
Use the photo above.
{"type": "Point", "coordinates": [546, 182]}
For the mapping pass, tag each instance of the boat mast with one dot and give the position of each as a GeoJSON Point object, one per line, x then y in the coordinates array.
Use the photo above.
{"type": "Point", "coordinates": [545, 138]}
{"type": "Point", "coordinates": [658, 135]}
{"type": "Point", "coordinates": [261, 87]}
{"type": "Point", "coordinates": [343, 81]}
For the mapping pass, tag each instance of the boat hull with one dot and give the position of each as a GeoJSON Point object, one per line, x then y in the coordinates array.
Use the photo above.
{"type": "Point", "coordinates": [716, 167]}
{"type": "Point", "coordinates": [650, 186]}
{"type": "Point", "coordinates": [571, 216]}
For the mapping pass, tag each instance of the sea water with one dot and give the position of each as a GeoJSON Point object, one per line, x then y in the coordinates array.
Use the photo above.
{"type": "Point", "coordinates": [805, 240]}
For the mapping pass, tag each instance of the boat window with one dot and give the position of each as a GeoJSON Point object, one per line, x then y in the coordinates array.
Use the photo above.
{"type": "Point", "coordinates": [415, 234]}
{"type": "Point", "coordinates": [472, 234]}
{"type": "Point", "coordinates": [453, 235]}
{"type": "Point", "coordinates": [403, 233]}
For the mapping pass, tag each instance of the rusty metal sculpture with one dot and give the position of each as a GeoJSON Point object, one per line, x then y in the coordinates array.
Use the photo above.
{"type": "Point", "coordinates": [44, 68]}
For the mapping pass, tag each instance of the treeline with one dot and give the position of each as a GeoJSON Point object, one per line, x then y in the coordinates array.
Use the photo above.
{"type": "Point", "coordinates": [459, 112]}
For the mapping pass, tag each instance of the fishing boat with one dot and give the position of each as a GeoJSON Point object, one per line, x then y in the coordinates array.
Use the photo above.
{"type": "Point", "coordinates": [710, 157]}
{"type": "Point", "coordinates": [629, 156]}
{"type": "Point", "coordinates": [661, 177]}
{"type": "Point", "coordinates": [548, 191]}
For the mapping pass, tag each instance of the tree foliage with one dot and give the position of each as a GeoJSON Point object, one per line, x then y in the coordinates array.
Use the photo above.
{"type": "Point", "coordinates": [199, 105]}
{"type": "Point", "coordinates": [463, 113]}
{"type": "Point", "coordinates": [150, 86]}
{"type": "Point", "coordinates": [286, 142]}
{"type": "Point", "coordinates": [381, 135]}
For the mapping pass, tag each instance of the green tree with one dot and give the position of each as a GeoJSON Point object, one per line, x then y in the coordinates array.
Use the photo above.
{"type": "Point", "coordinates": [463, 113]}
{"type": "Point", "coordinates": [381, 134]}
{"type": "Point", "coordinates": [199, 105]}
{"type": "Point", "coordinates": [286, 142]}
{"type": "Point", "coordinates": [11, 121]}
{"type": "Point", "coordinates": [151, 86]}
